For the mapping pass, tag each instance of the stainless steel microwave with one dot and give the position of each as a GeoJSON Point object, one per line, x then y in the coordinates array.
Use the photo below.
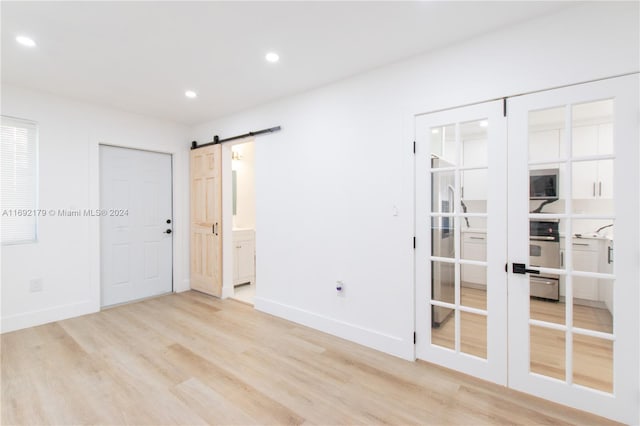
{"type": "Point", "coordinates": [543, 184]}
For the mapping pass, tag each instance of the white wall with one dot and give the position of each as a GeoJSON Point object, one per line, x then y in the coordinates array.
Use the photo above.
{"type": "Point", "coordinates": [328, 183]}
{"type": "Point", "coordinates": [246, 186]}
{"type": "Point", "coordinates": [66, 255]}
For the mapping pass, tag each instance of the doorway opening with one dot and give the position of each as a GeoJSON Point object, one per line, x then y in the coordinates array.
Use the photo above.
{"type": "Point", "coordinates": [243, 204]}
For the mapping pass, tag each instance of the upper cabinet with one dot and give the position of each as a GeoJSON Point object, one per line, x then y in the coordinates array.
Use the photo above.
{"type": "Point", "coordinates": [593, 179]}
{"type": "Point", "coordinates": [591, 139]}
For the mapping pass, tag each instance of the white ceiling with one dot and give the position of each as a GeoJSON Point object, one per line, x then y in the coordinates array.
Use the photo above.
{"type": "Point", "coordinates": [142, 56]}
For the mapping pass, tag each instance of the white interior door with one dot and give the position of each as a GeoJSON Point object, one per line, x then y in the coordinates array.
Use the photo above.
{"type": "Point", "coordinates": [581, 350]}
{"type": "Point", "coordinates": [461, 299]}
{"type": "Point", "coordinates": [135, 230]}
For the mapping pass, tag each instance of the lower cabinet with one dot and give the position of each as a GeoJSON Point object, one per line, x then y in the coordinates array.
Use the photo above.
{"type": "Point", "coordinates": [585, 258]}
{"type": "Point", "coordinates": [591, 255]}
{"type": "Point", "coordinates": [244, 257]}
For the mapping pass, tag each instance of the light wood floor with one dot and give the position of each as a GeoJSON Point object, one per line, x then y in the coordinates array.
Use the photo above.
{"type": "Point", "coordinates": [192, 359]}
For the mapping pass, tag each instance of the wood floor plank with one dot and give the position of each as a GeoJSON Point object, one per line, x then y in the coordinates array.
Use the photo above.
{"type": "Point", "coordinates": [192, 359]}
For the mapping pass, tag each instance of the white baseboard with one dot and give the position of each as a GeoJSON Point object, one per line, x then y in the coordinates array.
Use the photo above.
{"type": "Point", "coordinates": [56, 313]}
{"type": "Point", "coordinates": [392, 345]}
{"type": "Point", "coordinates": [227, 292]}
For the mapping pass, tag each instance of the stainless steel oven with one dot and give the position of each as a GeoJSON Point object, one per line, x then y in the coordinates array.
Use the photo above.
{"type": "Point", "coordinates": [544, 251]}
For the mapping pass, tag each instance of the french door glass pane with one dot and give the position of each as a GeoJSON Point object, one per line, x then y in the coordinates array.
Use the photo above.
{"type": "Point", "coordinates": [443, 143]}
{"type": "Point", "coordinates": [442, 236]}
{"type": "Point", "coordinates": [592, 128]}
{"type": "Point", "coordinates": [546, 188]}
{"type": "Point", "coordinates": [473, 139]}
{"type": "Point", "coordinates": [443, 282]}
{"type": "Point", "coordinates": [593, 304]}
{"type": "Point", "coordinates": [546, 134]}
{"type": "Point", "coordinates": [593, 362]}
{"type": "Point", "coordinates": [473, 294]}
{"type": "Point", "coordinates": [443, 191]}
{"type": "Point", "coordinates": [547, 310]}
{"type": "Point", "coordinates": [443, 327]}
{"type": "Point", "coordinates": [547, 356]}
{"type": "Point", "coordinates": [473, 334]}
{"type": "Point", "coordinates": [473, 191]}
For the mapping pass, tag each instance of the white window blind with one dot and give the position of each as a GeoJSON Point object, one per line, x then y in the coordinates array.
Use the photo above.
{"type": "Point", "coordinates": [18, 180]}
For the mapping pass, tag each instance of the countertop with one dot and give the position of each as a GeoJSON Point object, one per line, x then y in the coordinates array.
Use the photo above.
{"type": "Point", "coordinates": [586, 236]}
{"type": "Point", "coordinates": [590, 236]}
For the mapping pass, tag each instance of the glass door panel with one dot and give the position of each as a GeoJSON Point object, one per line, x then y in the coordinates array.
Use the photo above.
{"type": "Point", "coordinates": [461, 300]}
{"type": "Point", "coordinates": [565, 329]}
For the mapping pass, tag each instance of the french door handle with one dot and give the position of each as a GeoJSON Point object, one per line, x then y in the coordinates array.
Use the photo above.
{"type": "Point", "coordinates": [521, 268]}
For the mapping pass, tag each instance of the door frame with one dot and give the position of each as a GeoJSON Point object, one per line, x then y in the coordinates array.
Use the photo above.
{"type": "Point", "coordinates": [96, 196]}
{"type": "Point", "coordinates": [410, 133]}
{"type": "Point", "coordinates": [227, 216]}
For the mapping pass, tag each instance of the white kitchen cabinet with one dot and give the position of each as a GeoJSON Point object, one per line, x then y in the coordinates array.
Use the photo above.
{"type": "Point", "coordinates": [585, 258]}
{"type": "Point", "coordinates": [544, 145]}
{"type": "Point", "coordinates": [593, 179]}
{"type": "Point", "coordinates": [244, 246]}
{"type": "Point", "coordinates": [605, 287]}
{"type": "Point", "coordinates": [591, 255]}
{"type": "Point", "coordinates": [474, 247]}
{"type": "Point", "coordinates": [474, 182]}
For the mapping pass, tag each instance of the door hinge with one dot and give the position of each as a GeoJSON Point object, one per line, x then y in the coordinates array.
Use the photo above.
{"type": "Point", "coordinates": [506, 267]}
{"type": "Point", "coordinates": [414, 337]}
{"type": "Point", "coordinates": [504, 107]}
{"type": "Point", "coordinates": [414, 243]}
{"type": "Point", "coordinates": [414, 147]}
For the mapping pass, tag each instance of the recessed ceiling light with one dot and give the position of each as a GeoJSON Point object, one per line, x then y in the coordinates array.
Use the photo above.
{"type": "Point", "coordinates": [190, 94]}
{"type": "Point", "coordinates": [26, 41]}
{"type": "Point", "coordinates": [484, 123]}
{"type": "Point", "coordinates": [272, 57]}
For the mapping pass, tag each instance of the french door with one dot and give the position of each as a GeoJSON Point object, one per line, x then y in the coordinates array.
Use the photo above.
{"type": "Point", "coordinates": [540, 222]}
{"type": "Point", "coordinates": [461, 239]}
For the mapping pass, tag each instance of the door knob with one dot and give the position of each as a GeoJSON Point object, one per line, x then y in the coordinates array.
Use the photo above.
{"type": "Point", "coordinates": [168, 231]}
{"type": "Point", "coordinates": [520, 268]}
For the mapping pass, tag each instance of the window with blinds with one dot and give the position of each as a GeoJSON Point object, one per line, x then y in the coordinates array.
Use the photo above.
{"type": "Point", "coordinates": [18, 181]}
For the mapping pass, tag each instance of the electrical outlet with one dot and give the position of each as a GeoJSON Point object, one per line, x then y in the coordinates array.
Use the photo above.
{"type": "Point", "coordinates": [35, 285]}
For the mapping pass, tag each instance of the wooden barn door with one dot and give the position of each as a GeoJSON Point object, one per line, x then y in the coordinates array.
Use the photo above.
{"type": "Point", "coordinates": [206, 220]}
